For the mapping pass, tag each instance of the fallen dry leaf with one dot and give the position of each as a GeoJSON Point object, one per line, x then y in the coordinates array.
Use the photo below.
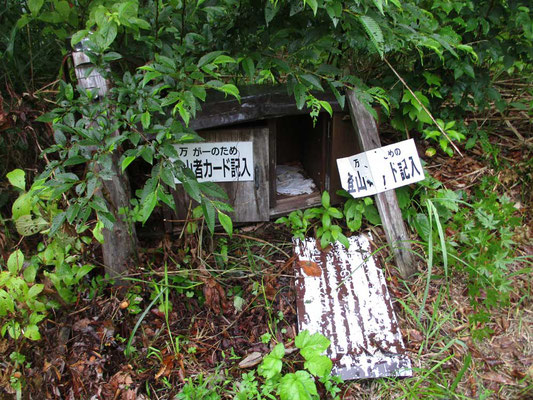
{"type": "Point", "coordinates": [215, 297]}
{"type": "Point", "coordinates": [498, 378]}
{"type": "Point", "coordinates": [310, 268]}
{"type": "Point", "coordinates": [251, 360]}
{"type": "Point", "coordinates": [166, 368]}
{"type": "Point", "coordinates": [82, 324]}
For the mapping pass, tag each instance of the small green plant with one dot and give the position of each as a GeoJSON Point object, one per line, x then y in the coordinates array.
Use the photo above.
{"type": "Point", "coordinates": [297, 385]}
{"type": "Point", "coordinates": [326, 219]}
{"type": "Point", "coordinates": [327, 232]}
{"type": "Point", "coordinates": [357, 209]}
{"type": "Point", "coordinates": [198, 389]}
{"type": "Point", "coordinates": [22, 306]}
{"type": "Point", "coordinates": [22, 301]}
{"type": "Point", "coordinates": [16, 380]}
{"type": "Point", "coordinates": [471, 234]}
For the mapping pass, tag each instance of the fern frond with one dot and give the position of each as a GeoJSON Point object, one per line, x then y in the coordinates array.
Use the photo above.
{"type": "Point", "coordinates": [373, 30]}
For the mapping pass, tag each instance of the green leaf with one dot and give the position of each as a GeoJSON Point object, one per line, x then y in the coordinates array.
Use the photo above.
{"type": "Point", "coordinates": [30, 272]}
{"type": "Point", "coordinates": [319, 365]}
{"type": "Point", "coordinates": [27, 226]}
{"type": "Point", "coordinates": [213, 190]}
{"type": "Point", "coordinates": [228, 88]}
{"type": "Point", "coordinates": [311, 345]}
{"type": "Point", "coordinates": [371, 214]}
{"type": "Point", "coordinates": [226, 222]}
{"type": "Point", "coordinates": [12, 328]}
{"type": "Point", "coordinates": [106, 218]}
{"type": "Point", "coordinates": [344, 240]}
{"type": "Point", "coordinates": [107, 33]}
{"type": "Point", "coordinates": [403, 196]}
{"type": "Point", "coordinates": [223, 59]}
{"type": "Point", "coordinates": [97, 232]}
{"type": "Point", "coordinates": [15, 262]}
{"type": "Point", "coordinates": [313, 4]}
{"type": "Point", "coordinates": [149, 76]}
{"type": "Point", "coordinates": [297, 386]}
{"type": "Point", "coordinates": [422, 227]}
{"type": "Point", "coordinates": [69, 92]}
{"type": "Point", "coordinates": [32, 332]}
{"type": "Point", "coordinates": [271, 9]}
{"type": "Point", "coordinates": [379, 5]}
{"type": "Point", "coordinates": [63, 8]}
{"type": "Point", "coordinates": [272, 364]}
{"type": "Point", "coordinates": [209, 214]}
{"type": "Point", "coordinates": [78, 36]}
{"type": "Point", "coordinates": [75, 160]}
{"type": "Point", "coordinates": [248, 66]}
{"type": "Point", "coordinates": [207, 58]}
{"type": "Point", "coordinates": [325, 199]}
{"type": "Point", "coordinates": [148, 206]}
{"type": "Point", "coordinates": [112, 56]}
{"type": "Point", "coordinates": [326, 221]}
{"type": "Point", "coordinates": [57, 222]}
{"type": "Point", "coordinates": [312, 80]}
{"type": "Point", "coordinates": [300, 93]}
{"type": "Point", "coordinates": [17, 178]}
{"type": "Point", "coordinates": [340, 98]}
{"type": "Point", "coordinates": [168, 177]}
{"type": "Point", "coordinates": [72, 212]}
{"type": "Point", "coordinates": [374, 32]}
{"type": "Point", "coordinates": [334, 212]}
{"type": "Point", "coordinates": [47, 117]}
{"type": "Point", "coordinates": [35, 6]}
{"type": "Point", "coordinates": [35, 290]}
{"type": "Point", "coordinates": [22, 206]}
{"type": "Point", "coordinates": [199, 92]}
{"type": "Point", "coordinates": [326, 106]}
{"type": "Point", "coordinates": [184, 114]}
{"type": "Point", "coordinates": [449, 199]}
{"type": "Point", "coordinates": [127, 161]}
{"type": "Point", "coordinates": [193, 189]}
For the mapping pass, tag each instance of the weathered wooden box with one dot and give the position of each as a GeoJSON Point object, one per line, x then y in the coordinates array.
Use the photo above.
{"type": "Point", "coordinates": [280, 134]}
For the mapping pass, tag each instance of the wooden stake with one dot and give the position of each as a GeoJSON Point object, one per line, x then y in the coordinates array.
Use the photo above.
{"type": "Point", "coordinates": [120, 243]}
{"type": "Point", "coordinates": [387, 203]}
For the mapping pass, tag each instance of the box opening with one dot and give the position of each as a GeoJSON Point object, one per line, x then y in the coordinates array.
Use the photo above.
{"type": "Point", "coordinates": [300, 162]}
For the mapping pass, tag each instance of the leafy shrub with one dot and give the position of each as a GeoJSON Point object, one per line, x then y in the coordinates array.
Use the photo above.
{"type": "Point", "coordinates": [322, 218]}
{"type": "Point", "coordinates": [297, 385]}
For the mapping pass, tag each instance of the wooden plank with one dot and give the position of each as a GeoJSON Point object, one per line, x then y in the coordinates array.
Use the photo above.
{"type": "Point", "coordinates": [342, 294]}
{"type": "Point", "coordinates": [272, 157]}
{"type": "Point", "coordinates": [250, 200]}
{"type": "Point", "coordinates": [286, 204]}
{"type": "Point", "coordinates": [257, 102]}
{"type": "Point", "coordinates": [387, 203]}
{"type": "Point", "coordinates": [343, 144]}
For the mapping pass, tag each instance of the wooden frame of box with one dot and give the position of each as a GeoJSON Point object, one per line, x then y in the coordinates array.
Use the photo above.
{"type": "Point", "coordinates": [281, 134]}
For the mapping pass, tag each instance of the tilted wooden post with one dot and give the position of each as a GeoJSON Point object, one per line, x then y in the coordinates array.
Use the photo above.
{"type": "Point", "coordinates": [387, 203]}
{"type": "Point", "coordinates": [120, 244]}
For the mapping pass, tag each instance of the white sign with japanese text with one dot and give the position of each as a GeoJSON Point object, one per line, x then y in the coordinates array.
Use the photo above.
{"type": "Point", "coordinates": [381, 169]}
{"type": "Point", "coordinates": [219, 161]}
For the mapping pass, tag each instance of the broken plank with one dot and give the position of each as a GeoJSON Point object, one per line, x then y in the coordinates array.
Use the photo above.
{"type": "Point", "coordinates": [342, 294]}
{"type": "Point", "coordinates": [387, 203]}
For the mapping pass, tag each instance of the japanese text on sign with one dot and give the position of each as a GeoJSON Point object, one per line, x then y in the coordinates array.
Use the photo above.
{"type": "Point", "coordinates": [381, 169]}
{"type": "Point", "coordinates": [220, 161]}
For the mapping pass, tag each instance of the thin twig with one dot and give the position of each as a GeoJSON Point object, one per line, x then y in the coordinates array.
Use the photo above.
{"type": "Point", "coordinates": [424, 107]}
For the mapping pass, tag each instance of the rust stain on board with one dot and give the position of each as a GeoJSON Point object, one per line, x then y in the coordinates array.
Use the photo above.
{"type": "Point", "coordinates": [349, 304]}
{"type": "Point", "coordinates": [310, 268]}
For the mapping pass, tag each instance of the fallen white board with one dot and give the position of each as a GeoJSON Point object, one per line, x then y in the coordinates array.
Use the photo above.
{"type": "Point", "coordinates": [342, 294]}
